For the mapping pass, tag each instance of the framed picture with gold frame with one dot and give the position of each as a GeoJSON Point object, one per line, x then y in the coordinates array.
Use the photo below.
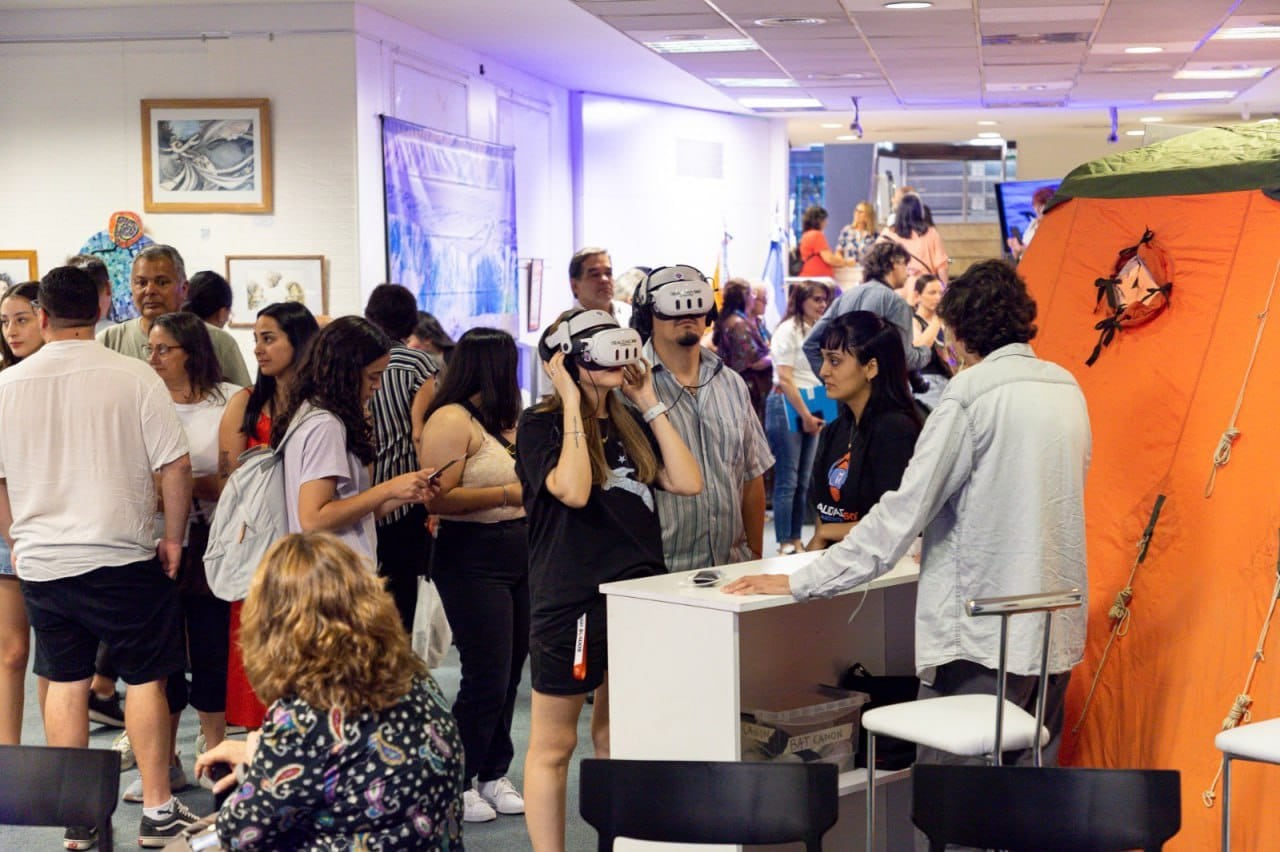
{"type": "Point", "coordinates": [260, 280]}
{"type": "Point", "coordinates": [17, 266]}
{"type": "Point", "coordinates": [206, 155]}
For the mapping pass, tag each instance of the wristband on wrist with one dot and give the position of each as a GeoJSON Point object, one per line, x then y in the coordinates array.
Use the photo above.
{"type": "Point", "coordinates": [504, 496]}
{"type": "Point", "coordinates": [654, 413]}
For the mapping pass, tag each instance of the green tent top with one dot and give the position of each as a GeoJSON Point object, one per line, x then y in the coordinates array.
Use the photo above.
{"type": "Point", "coordinates": [1216, 159]}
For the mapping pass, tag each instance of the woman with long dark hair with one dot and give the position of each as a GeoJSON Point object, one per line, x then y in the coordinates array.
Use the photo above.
{"type": "Point", "coordinates": [326, 459]}
{"type": "Point", "coordinates": [19, 338]}
{"type": "Point", "coordinates": [914, 231]}
{"type": "Point", "coordinates": [280, 336]}
{"type": "Point", "coordinates": [941, 366]}
{"type": "Point", "coordinates": [819, 260]}
{"type": "Point", "coordinates": [587, 467]}
{"type": "Point", "coordinates": [865, 451]}
{"type": "Point", "coordinates": [481, 561]}
{"type": "Point", "coordinates": [740, 342]}
{"type": "Point", "coordinates": [789, 423]}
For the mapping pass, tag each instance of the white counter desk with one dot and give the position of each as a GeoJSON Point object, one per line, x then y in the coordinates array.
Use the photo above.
{"type": "Point", "coordinates": [685, 661]}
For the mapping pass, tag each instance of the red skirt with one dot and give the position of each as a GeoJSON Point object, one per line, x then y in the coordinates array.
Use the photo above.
{"type": "Point", "coordinates": [243, 706]}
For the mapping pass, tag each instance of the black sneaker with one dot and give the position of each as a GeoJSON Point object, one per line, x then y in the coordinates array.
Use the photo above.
{"type": "Point", "coordinates": [80, 837]}
{"type": "Point", "coordinates": [155, 833]}
{"type": "Point", "coordinates": [106, 711]}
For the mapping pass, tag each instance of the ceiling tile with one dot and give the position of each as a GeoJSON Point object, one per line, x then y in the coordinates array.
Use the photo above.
{"type": "Point", "coordinates": [936, 24]}
{"type": "Point", "coordinates": [629, 23]}
{"type": "Point", "coordinates": [1023, 73]}
{"type": "Point", "coordinates": [1023, 12]}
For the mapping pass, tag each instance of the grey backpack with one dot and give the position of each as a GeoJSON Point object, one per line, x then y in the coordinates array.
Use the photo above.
{"type": "Point", "coordinates": [250, 517]}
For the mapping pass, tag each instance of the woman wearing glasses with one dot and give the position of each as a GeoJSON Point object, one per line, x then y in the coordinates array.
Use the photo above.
{"type": "Point", "coordinates": [19, 338]}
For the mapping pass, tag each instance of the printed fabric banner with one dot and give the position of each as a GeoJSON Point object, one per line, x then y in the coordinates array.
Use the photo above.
{"type": "Point", "coordinates": [451, 225]}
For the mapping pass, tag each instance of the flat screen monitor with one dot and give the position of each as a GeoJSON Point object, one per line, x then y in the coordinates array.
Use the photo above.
{"type": "Point", "coordinates": [1013, 198]}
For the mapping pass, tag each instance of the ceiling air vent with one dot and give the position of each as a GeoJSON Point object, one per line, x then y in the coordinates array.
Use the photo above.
{"type": "Point", "coordinates": [1028, 39]}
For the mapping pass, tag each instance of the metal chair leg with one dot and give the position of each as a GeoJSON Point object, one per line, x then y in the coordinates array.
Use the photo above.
{"type": "Point", "coordinates": [1226, 802]}
{"type": "Point", "coordinates": [871, 792]}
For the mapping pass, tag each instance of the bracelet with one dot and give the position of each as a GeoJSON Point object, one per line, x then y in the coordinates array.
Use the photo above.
{"type": "Point", "coordinates": [504, 496]}
{"type": "Point", "coordinates": [654, 413]}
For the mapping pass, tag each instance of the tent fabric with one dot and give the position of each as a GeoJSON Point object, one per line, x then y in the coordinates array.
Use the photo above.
{"type": "Point", "coordinates": [1217, 159]}
{"type": "Point", "coordinates": [1159, 399]}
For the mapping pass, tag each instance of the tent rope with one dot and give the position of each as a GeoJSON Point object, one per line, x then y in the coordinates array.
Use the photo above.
{"type": "Point", "coordinates": [1239, 711]}
{"type": "Point", "coordinates": [1222, 453]}
{"type": "Point", "coordinates": [1120, 614]}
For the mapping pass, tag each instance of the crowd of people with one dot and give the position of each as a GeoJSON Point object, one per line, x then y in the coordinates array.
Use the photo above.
{"type": "Point", "coordinates": [406, 454]}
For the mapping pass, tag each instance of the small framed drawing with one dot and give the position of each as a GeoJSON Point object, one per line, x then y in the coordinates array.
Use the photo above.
{"type": "Point", "coordinates": [16, 267]}
{"type": "Point", "coordinates": [260, 280]}
{"type": "Point", "coordinates": [535, 294]}
{"type": "Point", "coordinates": [206, 156]}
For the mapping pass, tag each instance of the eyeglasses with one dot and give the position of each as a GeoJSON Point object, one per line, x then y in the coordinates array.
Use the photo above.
{"type": "Point", "coordinates": [161, 349]}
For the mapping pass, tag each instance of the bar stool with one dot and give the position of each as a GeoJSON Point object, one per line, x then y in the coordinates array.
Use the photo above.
{"type": "Point", "coordinates": [1259, 742]}
{"type": "Point", "coordinates": [962, 724]}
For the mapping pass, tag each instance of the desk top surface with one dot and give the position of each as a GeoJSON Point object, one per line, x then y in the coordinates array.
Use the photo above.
{"type": "Point", "coordinates": [679, 589]}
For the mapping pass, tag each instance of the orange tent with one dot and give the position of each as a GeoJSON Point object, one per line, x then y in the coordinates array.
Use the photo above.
{"type": "Point", "coordinates": [1160, 398]}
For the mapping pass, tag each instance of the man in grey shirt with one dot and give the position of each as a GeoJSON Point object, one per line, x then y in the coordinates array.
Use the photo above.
{"type": "Point", "coordinates": [711, 409]}
{"type": "Point", "coordinates": [159, 284]}
{"type": "Point", "coordinates": [997, 486]}
{"type": "Point", "coordinates": [884, 270]}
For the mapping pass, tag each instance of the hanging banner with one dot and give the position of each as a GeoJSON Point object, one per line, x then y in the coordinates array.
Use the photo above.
{"type": "Point", "coordinates": [451, 225]}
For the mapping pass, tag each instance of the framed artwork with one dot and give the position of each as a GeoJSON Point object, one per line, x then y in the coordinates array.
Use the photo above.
{"type": "Point", "coordinates": [16, 267]}
{"type": "Point", "coordinates": [206, 156]}
{"type": "Point", "coordinates": [259, 280]}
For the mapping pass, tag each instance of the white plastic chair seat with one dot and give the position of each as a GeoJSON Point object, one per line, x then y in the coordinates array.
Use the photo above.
{"type": "Point", "coordinates": [1259, 741]}
{"type": "Point", "coordinates": [958, 724]}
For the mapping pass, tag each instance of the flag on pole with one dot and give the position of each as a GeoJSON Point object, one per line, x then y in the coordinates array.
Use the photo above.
{"type": "Point", "coordinates": [721, 274]}
{"type": "Point", "coordinates": [775, 269]}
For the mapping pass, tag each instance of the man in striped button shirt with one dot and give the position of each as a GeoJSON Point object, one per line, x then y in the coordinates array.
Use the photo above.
{"type": "Point", "coordinates": [399, 407]}
{"type": "Point", "coordinates": [711, 409]}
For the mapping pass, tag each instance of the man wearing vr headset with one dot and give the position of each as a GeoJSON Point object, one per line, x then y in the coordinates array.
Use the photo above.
{"type": "Point", "coordinates": [591, 280]}
{"type": "Point", "coordinates": [711, 409]}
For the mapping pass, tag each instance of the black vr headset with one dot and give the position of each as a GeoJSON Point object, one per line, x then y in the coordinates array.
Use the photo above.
{"type": "Point", "coordinates": [592, 339]}
{"type": "Point", "coordinates": [671, 292]}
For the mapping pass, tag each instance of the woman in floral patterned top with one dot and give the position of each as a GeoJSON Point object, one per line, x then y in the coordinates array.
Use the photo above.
{"type": "Point", "coordinates": [358, 750]}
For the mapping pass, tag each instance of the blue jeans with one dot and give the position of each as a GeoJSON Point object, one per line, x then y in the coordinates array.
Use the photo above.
{"type": "Point", "coordinates": [793, 454]}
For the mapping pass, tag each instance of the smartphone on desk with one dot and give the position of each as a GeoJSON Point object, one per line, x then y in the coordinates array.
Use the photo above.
{"type": "Point", "coordinates": [706, 577]}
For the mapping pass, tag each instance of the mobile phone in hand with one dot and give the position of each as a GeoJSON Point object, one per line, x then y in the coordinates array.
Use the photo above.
{"type": "Point", "coordinates": [435, 476]}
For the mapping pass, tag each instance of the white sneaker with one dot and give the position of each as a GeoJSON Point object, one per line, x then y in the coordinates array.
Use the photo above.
{"type": "Point", "coordinates": [502, 796]}
{"type": "Point", "coordinates": [121, 744]}
{"type": "Point", "coordinates": [476, 809]}
{"type": "Point", "coordinates": [177, 781]}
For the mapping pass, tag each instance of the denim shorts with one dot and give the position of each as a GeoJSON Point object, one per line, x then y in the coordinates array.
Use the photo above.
{"type": "Point", "coordinates": [6, 561]}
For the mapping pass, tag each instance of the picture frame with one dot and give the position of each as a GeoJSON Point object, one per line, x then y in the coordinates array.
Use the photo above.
{"type": "Point", "coordinates": [206, 155]}
{"type": "Point", "coordinates": [258, 280]}
{"type": "Point", "coordinates": [16, 266]}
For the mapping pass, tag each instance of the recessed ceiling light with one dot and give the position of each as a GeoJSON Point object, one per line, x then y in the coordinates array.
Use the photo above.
{"type": "Point", "coordinates": [989, 135]}
{"type": "Point", "coordinates": [1242, 73]}
{"type": "Point", "coordinates": [780, 103]}
{"type": "Point", "coordinates": [908, 4]}
{"type": "Point", "coordinates": [1217, 95]}
{"type": "Point", "coordinates": [788, 21]}
{"type": "Point", "coordinates": [848, 137]}
{"type": "Point", "coordinates": [832, 125]}
{"type": "Point", "coordinates": [988, 123]}
{"type": "Point", "coordinates": [847, 75]}
{"type": "Point", "coordinates": [752, 82]}
{"type": "Point", "coordinates": [697, 44]}
{"type": "Point", "coordinates": [1135, 133]}
{"type": "Point", "coordinates": [1263, 31]}
{"type": "Point", "coordinates": [1144, 49]}
{"type": "Point", "coordinates": [1149, 119]}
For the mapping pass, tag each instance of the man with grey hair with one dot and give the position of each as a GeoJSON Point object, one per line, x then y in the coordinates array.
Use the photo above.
{"type": "Point", "coordinates": [159, 285]}
{"type": "Point", "coordinates": [591, 280]}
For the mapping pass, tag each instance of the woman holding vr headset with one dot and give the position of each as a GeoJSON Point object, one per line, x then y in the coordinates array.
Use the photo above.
{"type": "Point", "coordinates": [587, 466]}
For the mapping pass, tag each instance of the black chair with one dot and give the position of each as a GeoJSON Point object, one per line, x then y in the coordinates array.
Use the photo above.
{"type": "Point", "coordinates": [684, 801]}
{"type": "Point", "coordinates": [1037, 809]}
{"type": "Point", "coordinates": [60, 786]}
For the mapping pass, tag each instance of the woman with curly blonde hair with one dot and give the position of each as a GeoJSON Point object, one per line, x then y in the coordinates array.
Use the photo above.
{"type": "Point", "coordinates": [358, 747]}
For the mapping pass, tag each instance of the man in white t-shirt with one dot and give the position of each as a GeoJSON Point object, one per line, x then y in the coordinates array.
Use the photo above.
{"type": "Point", "coordinates": [77, 503]}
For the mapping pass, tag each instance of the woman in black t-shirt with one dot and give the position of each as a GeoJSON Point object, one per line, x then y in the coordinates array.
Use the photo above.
{"type": "Point", "coordinates": [587, 467]}
{"type": "Point", "coordinates": [865, 451]}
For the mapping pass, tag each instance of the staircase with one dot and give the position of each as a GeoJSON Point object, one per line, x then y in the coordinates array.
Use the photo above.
{"type": "Point", "coordinates": [969, 242]}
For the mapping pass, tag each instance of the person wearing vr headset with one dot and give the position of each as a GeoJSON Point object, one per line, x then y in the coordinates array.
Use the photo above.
{"type": "Point", "coordinates": [711, 409]}
{"type": "Point", "coordinates": [588, 468]}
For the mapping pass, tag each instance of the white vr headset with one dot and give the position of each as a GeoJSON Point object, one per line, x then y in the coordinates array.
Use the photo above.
{"type": "Point", "coordinates": [676, 291]}
{"type": "Point", "coordinates": [596, 340]}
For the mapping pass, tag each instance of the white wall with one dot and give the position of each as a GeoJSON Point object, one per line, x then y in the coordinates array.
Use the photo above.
{"type": "Point", "coordinates": [661, 183]}
{"type": "Point", "coordinates": [71, 153]}
{"type": "Point", "coordinates": [411, 75]}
